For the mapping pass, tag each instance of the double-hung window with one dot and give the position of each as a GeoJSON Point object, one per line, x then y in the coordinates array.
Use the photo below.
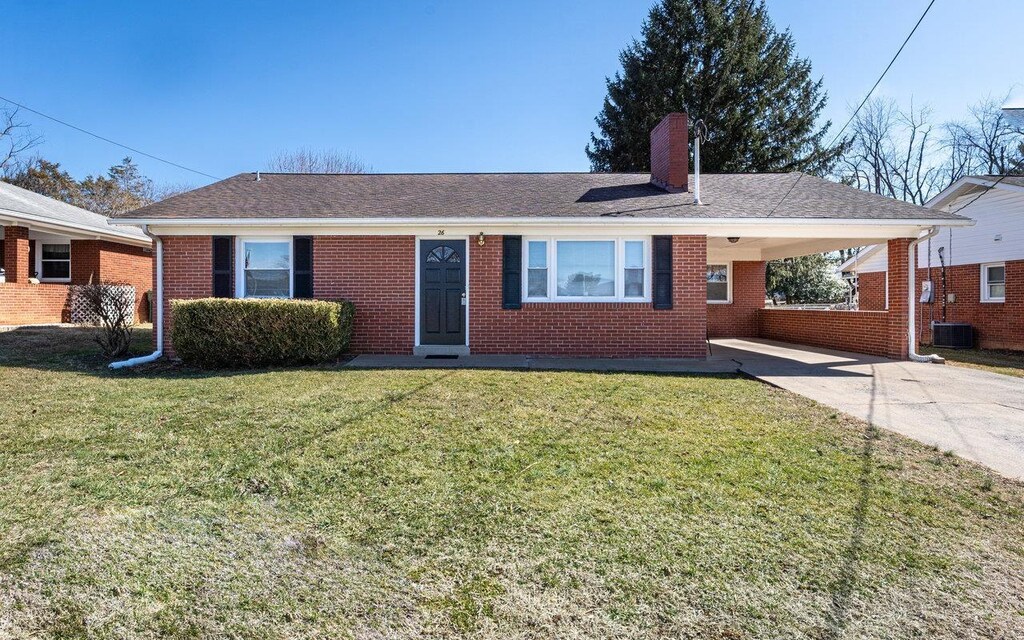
{"type": "Point", "coordinates": [55, 262]}
{"type": "Point", "coordinates": [718, 283]}
{"type": "Point", "coordinates": [265, 269]}
{"type": "Point", "coordinates": [993, 282]}
{"type": "Point", "coordinates": [586, 270]}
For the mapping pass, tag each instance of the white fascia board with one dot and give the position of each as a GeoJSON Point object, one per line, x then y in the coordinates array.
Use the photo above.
{"type": "Point", "coordinates": [950, 193]}
{"type": "Point", "coordinates": [722, 228]}
{"type": "Point", "coordinates": [19, 218]}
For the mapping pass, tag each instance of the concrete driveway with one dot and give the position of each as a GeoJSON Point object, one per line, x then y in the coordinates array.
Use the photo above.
{"type": "Point", "coordinates": [976, 414]}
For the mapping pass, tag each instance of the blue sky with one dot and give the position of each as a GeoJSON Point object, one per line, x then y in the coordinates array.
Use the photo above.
{"type": "Point", "coordinates": [426, 86]}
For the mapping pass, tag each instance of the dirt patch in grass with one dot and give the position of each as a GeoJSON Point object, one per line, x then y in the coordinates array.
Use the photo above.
{"type": "Point", "coordinates": [322, 502]}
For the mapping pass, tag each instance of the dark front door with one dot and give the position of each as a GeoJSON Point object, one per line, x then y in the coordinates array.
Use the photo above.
{"type": "Point", "coordinates": [443, 292]}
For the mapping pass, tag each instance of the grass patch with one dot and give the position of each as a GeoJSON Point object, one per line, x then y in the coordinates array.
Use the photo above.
{"type": "Point", "coordinates": [1010, 363]}
{"type": "Point", "coordinates": [323, 502]}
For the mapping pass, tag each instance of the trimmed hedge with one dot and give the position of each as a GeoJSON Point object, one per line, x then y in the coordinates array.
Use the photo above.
{"type": "Point", "coordinates": [225, 332]}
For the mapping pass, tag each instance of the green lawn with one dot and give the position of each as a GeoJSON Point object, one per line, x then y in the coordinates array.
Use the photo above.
{"type": "Point", "coordinates": [322, 502]}
{"type": "Point", "coordinates": [1010, 363]}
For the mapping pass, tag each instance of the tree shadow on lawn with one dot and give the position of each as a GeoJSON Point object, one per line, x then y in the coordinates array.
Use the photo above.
{"type": "Point", "coordinates": [838, 616]}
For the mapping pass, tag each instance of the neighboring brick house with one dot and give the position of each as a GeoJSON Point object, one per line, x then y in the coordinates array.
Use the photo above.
{"type": "Point", "coordinates": [983, 282]}
{"type": "Point", "coordinates": [575, 264]}
{"type": "Point", "coordinates": [48, 247]}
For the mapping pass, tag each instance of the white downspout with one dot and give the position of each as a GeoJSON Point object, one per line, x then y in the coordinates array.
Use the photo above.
{"type": "Point", "coordinates": [912, 316]}
{"type": "Point", "coordinates": [158, 321]}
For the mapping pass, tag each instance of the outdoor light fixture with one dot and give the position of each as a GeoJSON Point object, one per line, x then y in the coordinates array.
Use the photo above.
{"type": "Point", "coordinates": [733, 240]}
{"type": "Point", "coordinates": [480, 239]}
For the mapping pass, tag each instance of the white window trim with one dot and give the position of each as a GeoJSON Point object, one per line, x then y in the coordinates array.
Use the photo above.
{"type": "Point", "coordinates": [240, 265]}
{"type": "Point", "coordinates": [39, 260]}
{"type": "Point", "coordinates": [984, 282]}
{"type": "Point", "coordinates": [728, 282]}
{"type": "Point", "coordinates": [620, 269]}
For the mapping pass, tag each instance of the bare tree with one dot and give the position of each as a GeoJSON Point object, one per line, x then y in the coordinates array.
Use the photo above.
{"type": "Point", "coordinates": [307, 160]}
{"type": "Point", "coordinates": [986, 142]}
{"type": "Point", "coordinates": [893, 152]}
{"type": "Point", "coordinates": [15, 139]}
{"type": "Point", "coordinates": [902, 154]}
{"type": "Point", "coordinates": [171, 189]}
{"type": "Point", "coordinates": [114, 305]}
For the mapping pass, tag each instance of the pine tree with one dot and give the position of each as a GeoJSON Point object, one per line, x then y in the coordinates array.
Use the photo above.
{"type": "Point", "coordinates": [724, 62]}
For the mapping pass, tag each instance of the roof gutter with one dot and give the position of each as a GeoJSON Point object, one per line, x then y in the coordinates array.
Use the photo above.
{"type": "Point", "coordinates": [544, 220]}
{"type": "Point", "coordinates": [158, 321]}
{"type": "Point", "coordinates": [912, 300]}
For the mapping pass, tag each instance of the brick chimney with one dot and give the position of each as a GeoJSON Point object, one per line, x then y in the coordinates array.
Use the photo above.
{"type": "Point", "coordinates": [670, 153]}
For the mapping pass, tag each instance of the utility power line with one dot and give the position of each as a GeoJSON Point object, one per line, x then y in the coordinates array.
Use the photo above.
{"type": "Point", "coordinates": [862, 102]}
{"type": "Point", "coordinates": [108, 140]}
{"type": "Point", "coordinates": [881, 77]}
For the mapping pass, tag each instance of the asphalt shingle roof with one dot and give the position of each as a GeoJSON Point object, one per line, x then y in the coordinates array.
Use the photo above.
{"type": "Point", "coordinates": [517, 195]}
{"type": "Point", "coordinates": [19, 203]}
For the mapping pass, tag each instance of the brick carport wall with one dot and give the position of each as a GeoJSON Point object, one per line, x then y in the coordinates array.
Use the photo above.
{"type": "Point", "coordinates": [882, 333]}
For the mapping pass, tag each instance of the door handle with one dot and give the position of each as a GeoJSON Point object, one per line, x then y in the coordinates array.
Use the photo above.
{"type": "Point", "coordinates": [463, 298]}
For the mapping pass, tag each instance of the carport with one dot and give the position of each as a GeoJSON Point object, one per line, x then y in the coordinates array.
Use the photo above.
{"type": "Point", "coordinates": [886, 333]}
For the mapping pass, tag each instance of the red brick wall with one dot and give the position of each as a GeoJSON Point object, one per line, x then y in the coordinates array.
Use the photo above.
{"type": "Point", "coordinates": [131, 265]}
{"type": "Point", "coordinates": [590, 329]}
{"type": "Point", "coordinates": [997, 325]}
{"type": "Point", "coordinates": [739, 318]}
{"type": "Point", "coordinates": [85, 261]}
{"type": "Point", "coordinates": [378, 274]}
{"type": "Point", "coordinates": [103, 261]}
{"type": "Point", "coordinates": [858, 331]}
{"type": "Point", "coordinates": [22, 303]}
{"type": "Point", "coordinates": [91, 261]}
{"type": "Point", "coordinates": [872, 291]}
{"type": "Point", "coordinates": [188, 274]}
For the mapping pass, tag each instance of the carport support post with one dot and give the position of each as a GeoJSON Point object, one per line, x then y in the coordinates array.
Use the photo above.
{"type": "Point", "coordinates": [899, 273]}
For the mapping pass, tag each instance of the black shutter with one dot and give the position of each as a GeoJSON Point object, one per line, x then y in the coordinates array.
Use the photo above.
{"type": "Point", "coordinates": [662, 272]}
{"type": "Point", "coordinates": [302, 268]}
{"type": "Point", "coordinates": [223, 258]}
{"type": "Point", "coordinates": [512, 272]}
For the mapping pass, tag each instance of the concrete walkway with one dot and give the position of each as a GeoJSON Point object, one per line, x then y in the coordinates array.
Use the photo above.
{"type": "Point", "coordinates": [976, 414]}
{"type": "Point", "coordinates": [626, 365]}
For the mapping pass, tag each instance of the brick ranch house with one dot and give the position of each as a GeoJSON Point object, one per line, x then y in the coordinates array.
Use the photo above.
{"type": "Point", "coordinates": [579, 264]}
{"type": "Point", "coordinates": [984, 275]}
{"type": "Point", "coordinates": [49, 246]}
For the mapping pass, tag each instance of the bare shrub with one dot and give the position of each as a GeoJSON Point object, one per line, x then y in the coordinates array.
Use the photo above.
{"type": "Point", "coordinates": [114, 305]}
